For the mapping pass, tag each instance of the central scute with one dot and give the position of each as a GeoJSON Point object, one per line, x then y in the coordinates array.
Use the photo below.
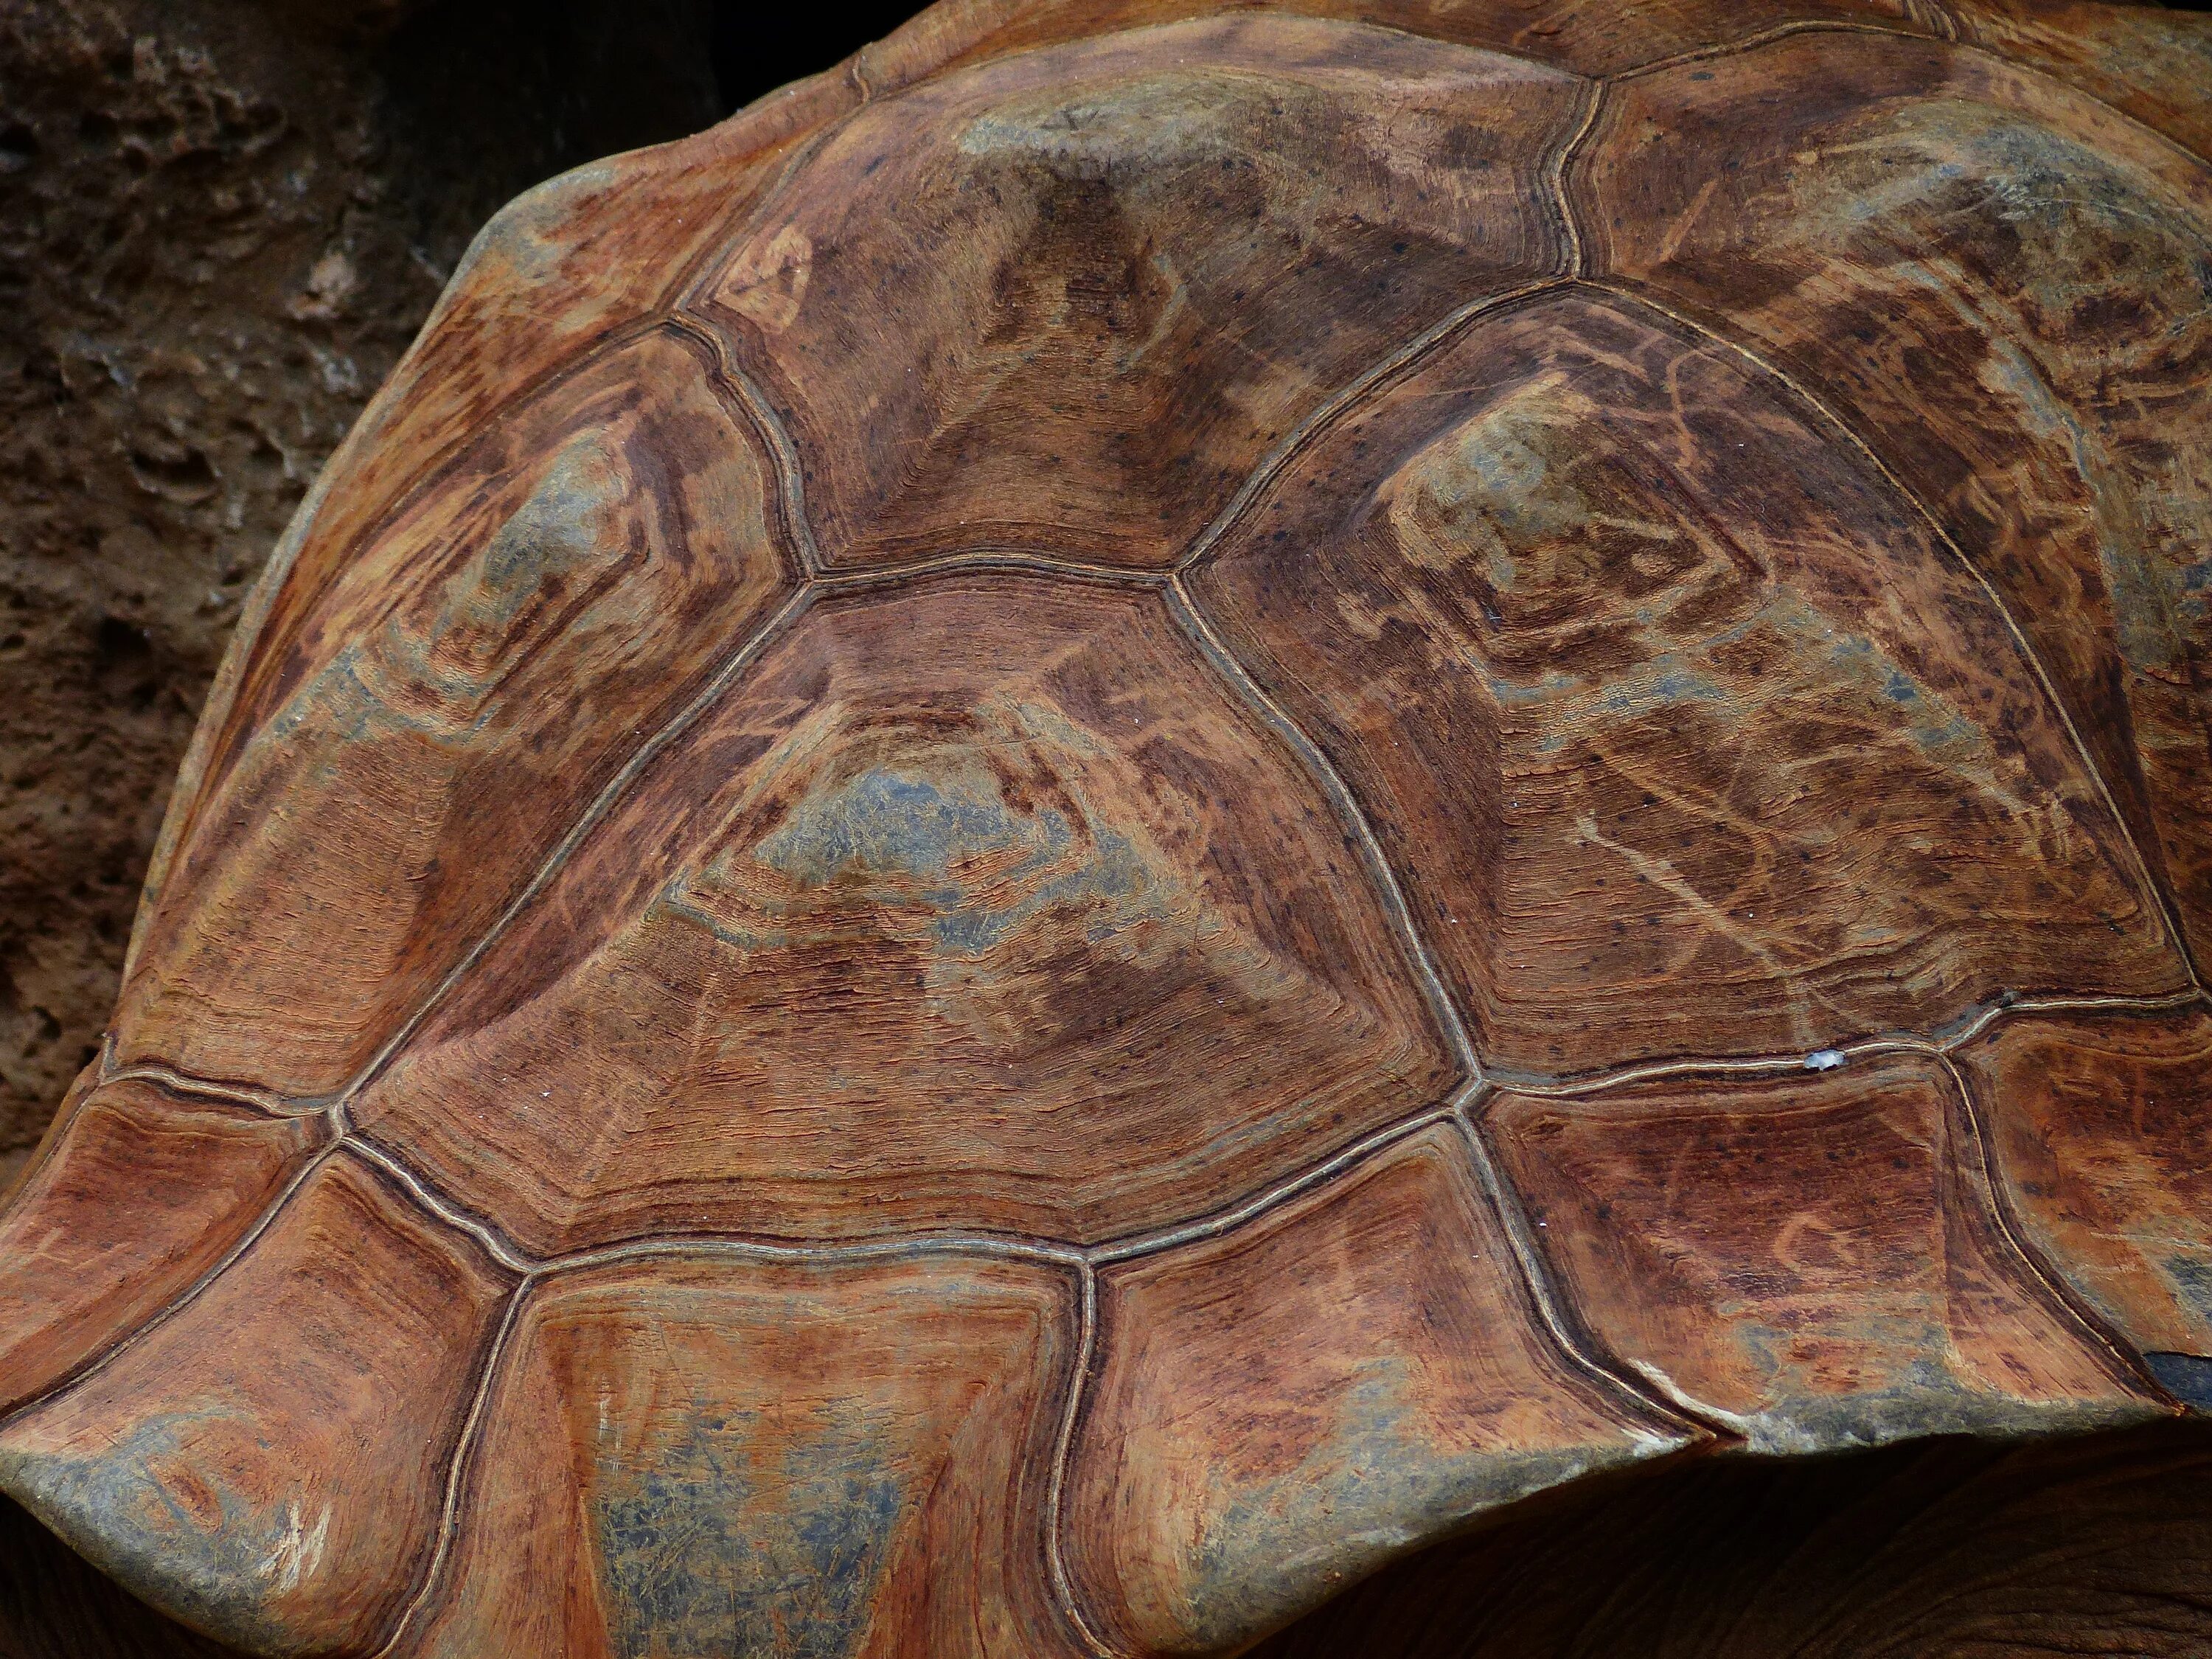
{"type": "Point", "coordinates": [934, 840]}
{"type": "Point", "coordinates": [985, 904]}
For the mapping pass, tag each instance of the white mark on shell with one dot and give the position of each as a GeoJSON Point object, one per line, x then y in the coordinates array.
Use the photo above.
{"type": "Point", "coordinates": [298, 1550]}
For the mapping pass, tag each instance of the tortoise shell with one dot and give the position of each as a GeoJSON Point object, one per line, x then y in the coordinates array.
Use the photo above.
{"type": "Point", "coordinates": [1121, 810]}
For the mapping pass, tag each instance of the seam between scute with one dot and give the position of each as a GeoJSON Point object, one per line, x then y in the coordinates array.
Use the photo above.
{"type": "Point", "coordinates": [1462, 1108]}
{"type": "Point", "coordinates": [733, 385]}
{"type": "Point", "coordinates": [416, 1189]}
{"type": "Point", "coordinates": [265, 1101]}
{"type": "Point", "coordinates": [2161, 902]}
{"type": "Point", "coordinates": [1747, 43]}
{"type": "Point", "coordinates": [458, 1467]}
{"type": "Point", "coordinates": [1382, 880]}
{"type": "Point", "coordinates": [2070, 1307]}
{"type": "Point", "coordinates": [1056, 1558]}
{"type": "Point", "coordinates": [1227, 1220]}
{"type": "Point", "coordinates": [2004, 1011]}
{"type": "Point", "coordinates": [1398, 362]}
{"type": "Point", "coordinates": [1555, 1309]}
{"type": "Point", "coordinates": [1557, 169]}
{"type": "Point", "coordinates": [1019, 561]}
{"type": "Point", "coordinates": [1473, 1099]}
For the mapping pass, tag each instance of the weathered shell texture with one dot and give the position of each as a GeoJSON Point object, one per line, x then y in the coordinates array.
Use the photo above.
{"type": "Point", "coordinates": [1120, 810]}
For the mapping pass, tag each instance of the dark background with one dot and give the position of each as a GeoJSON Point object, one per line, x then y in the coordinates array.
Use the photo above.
{"type": "Point", "coordinates": [751, 55]}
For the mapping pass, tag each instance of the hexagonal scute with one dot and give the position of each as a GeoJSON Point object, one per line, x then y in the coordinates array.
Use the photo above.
{"type": "Point", "coordinates": [982, 904]}
{"type": "Point", "coordinates": [2101, 1128]}
{"type": "Point", "coordinates": [692, 1456]}
{"type": "Point", "coordinates": [416, 737]}
{"type": "Point", "coordinates": [2002, 283]}
{"type": "Point", "coordinates": [1065, 300]}
{"type": "Point", "coordinates": [1282, 1409]}
{"type": "Point", "coordinates": [1676, 721]}
{"type": "Point", "coordinates": [1816, 1261]}
{"type": "Point", "coordinates": [269, 1461]}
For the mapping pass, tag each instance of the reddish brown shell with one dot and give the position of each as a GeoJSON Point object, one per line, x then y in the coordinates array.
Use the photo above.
{"type": "Point", "coordinates": [1113, 813]}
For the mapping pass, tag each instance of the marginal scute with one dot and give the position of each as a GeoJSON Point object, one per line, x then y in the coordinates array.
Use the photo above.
{"type": "Point", "coordinates": [2155, 64]}
{"type": "Point", "coordinates": [1283, 1410]}
{"type": "Point", "coordinates": [84, 1269]}
{"type": "Point", "coordinates": [1817, 1262]}
{"type": "Point", "coordinates": [1672, 716]}
{"type": "Point", "coordinates": [268, 1464]}
{"type": "Point", "coordinates": [2006, 287]}
{"type": "Point", "coordinates": [1568, 34]}
{"type": "Point", "coordinates": [1071, 294]}
{"type": "Point", "coordinates": [2100, 1125]}
{"type": "Point", "coordinates": [1019, 826]}
{"type": "Point", "coordinates": [447, 707]}
{"type": "Point", "coordinates": [696, 1456]}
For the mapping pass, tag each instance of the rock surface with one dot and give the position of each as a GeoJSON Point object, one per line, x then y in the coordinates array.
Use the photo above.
{"type": "Point", "coordinates": [220, 223]}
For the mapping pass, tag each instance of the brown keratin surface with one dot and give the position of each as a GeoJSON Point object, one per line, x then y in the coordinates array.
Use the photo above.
{"type": "Point", "coordinates": [1167, 812]}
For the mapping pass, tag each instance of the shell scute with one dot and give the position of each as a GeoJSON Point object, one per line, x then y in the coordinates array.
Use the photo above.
{"type": "Point", "coordinates": [1285, 1408]}
{"type": "Point", "coordinates": [842, 1460]}
{"type": "Point", "coordinates": [1816, 1263]}
{"type": "Point", "coordinates": [268, 1464]}
{"type": "Point", "coordinates": [1069, 295]}
{"type": "Point", "coordinates": [2005, 289]}
{"type": "Point", "coordinates": [1567, 34]}
{"type": "Point", "coordinates": [444, 710]}
{"type": "Point", "coordinates": [83, 1270]}
{"type": "Point", "coordinates": [1672, 717]}
{"type": "Point", "coordinates": [2100, 1129]}
{"type": "Point", "coordinates": [1015, 824]}
{"type": "Point", "coordinates": [831, 969]}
